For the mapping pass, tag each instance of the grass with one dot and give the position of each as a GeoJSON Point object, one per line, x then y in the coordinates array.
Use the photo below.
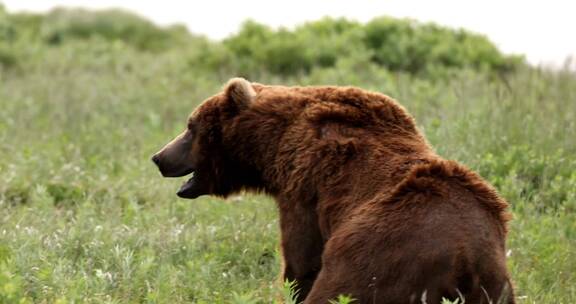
{"type": "Point", "coordinates": [86, 218]}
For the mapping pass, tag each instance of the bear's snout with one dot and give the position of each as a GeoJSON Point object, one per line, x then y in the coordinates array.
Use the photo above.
{"type": "Point", "coordinates": [156, 159]}
{"type": "Point", "coordinates": [170, 168]}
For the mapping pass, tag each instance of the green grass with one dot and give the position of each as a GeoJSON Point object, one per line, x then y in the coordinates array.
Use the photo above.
{"type": "Point", "coordinates": [86, 218]}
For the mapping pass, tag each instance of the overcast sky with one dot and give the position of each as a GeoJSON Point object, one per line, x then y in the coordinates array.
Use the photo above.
{"type": "Point", "coordinates": [545, 31]}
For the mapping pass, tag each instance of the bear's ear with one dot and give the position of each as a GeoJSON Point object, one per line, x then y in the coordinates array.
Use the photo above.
{"type": "Point", "coordinates": [240, 91]}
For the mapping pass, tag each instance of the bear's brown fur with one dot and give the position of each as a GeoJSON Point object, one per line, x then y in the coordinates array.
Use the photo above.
{"type": "Point", "coordinates": [367, 208]}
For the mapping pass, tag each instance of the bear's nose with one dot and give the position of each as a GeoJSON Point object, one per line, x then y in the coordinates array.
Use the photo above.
{"type": "Point", "coordinates": [156, 160]}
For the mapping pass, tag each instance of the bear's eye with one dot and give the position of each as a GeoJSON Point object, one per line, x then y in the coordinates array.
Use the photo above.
{"type": "Point", "coordinates": [191, 126]}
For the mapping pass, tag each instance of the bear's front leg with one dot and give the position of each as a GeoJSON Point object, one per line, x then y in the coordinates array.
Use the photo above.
{"type": "Point", "coordinates": [302, 246]}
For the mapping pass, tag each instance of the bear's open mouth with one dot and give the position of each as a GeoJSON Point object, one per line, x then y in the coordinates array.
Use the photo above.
{"type": "Point", "coordinates": [190, 188]}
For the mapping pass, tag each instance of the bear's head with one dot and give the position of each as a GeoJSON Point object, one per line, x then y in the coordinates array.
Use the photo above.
{"type": "Point", "coordinates": [200, 149]}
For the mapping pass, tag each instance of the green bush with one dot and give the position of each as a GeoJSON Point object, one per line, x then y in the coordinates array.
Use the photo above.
{"type": "Point", "coordinates": [62, 25]}
{"type": "Point", "coordinates": [394, 44]}
{"type": "Point", "coordinates": [407, 45]}
{"type": "Point", "coordinates": [398, 45]}
{"type": "Point", "coordinates": [7, 32]}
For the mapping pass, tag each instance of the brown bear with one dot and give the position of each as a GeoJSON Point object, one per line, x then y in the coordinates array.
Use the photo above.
{"type": "Point", "coordinates": [367, 209]}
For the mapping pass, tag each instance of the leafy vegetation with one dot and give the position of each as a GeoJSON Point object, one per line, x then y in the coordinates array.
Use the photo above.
{"type": "Point", "coordinates": [395, 44]}
{"type": "Point", "coordinates": [87, 97]}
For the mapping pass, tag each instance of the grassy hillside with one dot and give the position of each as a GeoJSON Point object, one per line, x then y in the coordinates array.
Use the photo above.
{"type": "Point", "coordinates": [86, 98]}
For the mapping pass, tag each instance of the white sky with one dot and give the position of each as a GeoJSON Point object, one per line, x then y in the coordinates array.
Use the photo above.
{"type": "Point", "coordinates": [545, 31]}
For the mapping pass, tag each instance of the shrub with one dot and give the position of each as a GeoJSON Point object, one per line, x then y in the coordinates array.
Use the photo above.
{"type": "Point", "coordinates": [62, 25]}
